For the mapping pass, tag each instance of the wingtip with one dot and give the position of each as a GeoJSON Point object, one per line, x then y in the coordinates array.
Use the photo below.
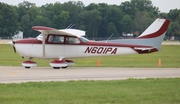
{"type": "Point", "coordinates": [42, 28]}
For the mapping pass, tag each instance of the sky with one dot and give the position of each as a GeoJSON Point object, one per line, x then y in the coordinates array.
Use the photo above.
{"type": "Point", "coordinates": [163, 5]}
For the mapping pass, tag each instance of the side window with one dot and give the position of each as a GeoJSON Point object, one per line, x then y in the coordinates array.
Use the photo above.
{"type": "Point", "coordinates": [72, 40]}
{"type": "Point", "coordinates": [56, 39]}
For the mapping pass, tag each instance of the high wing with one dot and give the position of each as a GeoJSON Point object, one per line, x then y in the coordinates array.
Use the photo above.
{"type": "Point", "coordinates": [48, 30]}
{"type": "Point", "coordinates": [68, 32]}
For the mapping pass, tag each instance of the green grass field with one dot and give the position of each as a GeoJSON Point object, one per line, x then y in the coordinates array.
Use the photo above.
{"type": "Point", "coordinates": [169, 55]}
{"type": "Point", "coordinates": [131, 91]}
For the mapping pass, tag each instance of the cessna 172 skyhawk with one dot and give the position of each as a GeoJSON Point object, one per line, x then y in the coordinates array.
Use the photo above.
{"type": "Point", "coordinates": [70, 43]}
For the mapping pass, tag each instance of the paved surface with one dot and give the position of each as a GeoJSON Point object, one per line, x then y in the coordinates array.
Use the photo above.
{"type": "Point", "coordinates": [37, 74]}
{"type": "Point", "coordinates": [170, 43]}
{"type": "Point", "coordinates": [4, 41]}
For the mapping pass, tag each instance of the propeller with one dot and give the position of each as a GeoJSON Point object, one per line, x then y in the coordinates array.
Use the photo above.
{"type": "Point", "coordinates": [14, 47]}
{"type": "Point", "coordinates": [13, 43]}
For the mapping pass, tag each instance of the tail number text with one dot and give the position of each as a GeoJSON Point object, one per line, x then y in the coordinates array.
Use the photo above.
{"type": "Point", "coordinates": [101, 50]}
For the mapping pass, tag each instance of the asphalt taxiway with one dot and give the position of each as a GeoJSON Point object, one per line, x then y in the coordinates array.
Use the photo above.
{"type": "Point", "coordinates": [12, 74]}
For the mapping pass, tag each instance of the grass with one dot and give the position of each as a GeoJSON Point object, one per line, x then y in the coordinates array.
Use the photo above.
{"type": "Point", "coordinates": [131, 91]}
{"type": "Point", "coordinates": [169, 56]}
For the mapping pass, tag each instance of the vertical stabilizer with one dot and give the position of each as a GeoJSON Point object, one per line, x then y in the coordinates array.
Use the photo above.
{"type": "Point", "coordinates": [152, 36]}
{"type": "Point", "coordinates": [157, 28]}
{"type": "Point", "coordinates": [155, 33]}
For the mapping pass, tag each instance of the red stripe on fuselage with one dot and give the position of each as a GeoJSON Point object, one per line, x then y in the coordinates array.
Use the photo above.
{"type": "Point", "coordinates": [28, 41]}
{"type": "Point", "coordinates": [110, 44]}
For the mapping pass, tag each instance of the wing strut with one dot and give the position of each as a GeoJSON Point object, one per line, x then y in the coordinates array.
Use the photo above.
{"type": "Point", "coordinates": [43, 44]}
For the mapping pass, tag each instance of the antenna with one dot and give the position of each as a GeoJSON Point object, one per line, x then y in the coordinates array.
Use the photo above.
{"type": "Point", "coordinates": [109, 37]}
{"type": "Point", "coordinates": [70, 26]}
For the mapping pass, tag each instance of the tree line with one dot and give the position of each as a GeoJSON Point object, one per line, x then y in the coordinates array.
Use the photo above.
{"type": "Point", "coordinates": [98, 20]}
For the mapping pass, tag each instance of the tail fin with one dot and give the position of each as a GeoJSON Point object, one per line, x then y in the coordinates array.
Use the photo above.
{"type": "Point", "coordinates": [155, 33]}
{"type": "Point", "coordinates": [156, 29]}
{"type": "Point", "coordinates": [152, 36]}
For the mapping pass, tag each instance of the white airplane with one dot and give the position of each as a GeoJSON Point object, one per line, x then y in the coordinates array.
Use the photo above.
{"type": "Point", "coordinates": [60, 45]}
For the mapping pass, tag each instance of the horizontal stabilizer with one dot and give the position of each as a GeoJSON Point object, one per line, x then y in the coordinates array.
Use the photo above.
{"type": "Point", "coordinates": [143, 49]}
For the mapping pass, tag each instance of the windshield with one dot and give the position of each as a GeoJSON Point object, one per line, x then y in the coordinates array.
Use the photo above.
{"type": "Point", "coordinates": [84, 39]}
{"type": "Point", "coordinates": [39, 37]}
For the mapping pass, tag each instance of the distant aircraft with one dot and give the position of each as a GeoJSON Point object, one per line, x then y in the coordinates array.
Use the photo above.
{"type": "Point", "coordinates": [60, 45]}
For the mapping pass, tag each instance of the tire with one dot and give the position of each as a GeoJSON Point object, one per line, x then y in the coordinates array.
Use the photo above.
{"type": "Point", "coordinates": [65, 67]}
{"type": "Point", "coordinates": [56, 67]}
{"type": "Point", "coordinates": [27, 67]}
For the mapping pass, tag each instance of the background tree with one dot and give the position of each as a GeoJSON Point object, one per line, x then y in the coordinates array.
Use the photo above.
{"type": "Point", "coordinates": [174, 28]}
{"type": "Point", "coordinates": [26, 25]}
{"type": "Point", "coordinates": [127, 24]}
{"type": "Point", "coordinates": [115, 16]}
{"type": "Point", "coordinates": [92, 20]}
{"type": "Point", "coordinates": [98, 20]}
{"type": "Point", "coordinates": [91, 7]}
{"type": "Point", "coordinates": [141, 22]}
{"type": "Point", "coordinates": [128, 8]}
{"type": "Point", "coordinates": [27, 13]}
{"type": "Point", "coordinates": [74, 8]}
{"type": "Point", "coordinates": [112, 30]}
{"type": "Point", "coordinates": [8, 20]}
{"type": "Point", "coordinates": [103, 29]}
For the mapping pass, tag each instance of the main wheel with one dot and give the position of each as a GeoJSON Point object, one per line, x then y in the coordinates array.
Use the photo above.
{"type": "Point", "coordinates": [56, 67]}
{"type": "Point", "coordinates": [65, 67]}
{"type": "Point", "coordinates": [27, 67]}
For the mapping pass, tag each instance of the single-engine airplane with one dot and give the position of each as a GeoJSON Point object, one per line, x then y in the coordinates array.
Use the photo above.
{"type": "Point", "coordinates": [60, 45]}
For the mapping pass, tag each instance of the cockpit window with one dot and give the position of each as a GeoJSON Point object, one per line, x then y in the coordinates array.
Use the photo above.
{"type": "Point", "coordinates": [84, 39]}
{"type": "Point", "coordinates": [72, 40]}
{"type": "Point", "coordinates": [56, 39]}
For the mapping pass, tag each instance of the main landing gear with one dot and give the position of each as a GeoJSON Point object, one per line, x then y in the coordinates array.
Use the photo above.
{"type": "Point", "coordinates": [56, 64]}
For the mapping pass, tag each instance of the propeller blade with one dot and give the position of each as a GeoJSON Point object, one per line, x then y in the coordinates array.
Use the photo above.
{"type": "Point", "coordinates": [14, 46]}
{"type": "Point", "coordinates": [14, 49]}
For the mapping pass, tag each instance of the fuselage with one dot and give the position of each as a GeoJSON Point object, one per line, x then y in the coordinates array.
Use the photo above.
{"type": "Point", "coordinates": [73, 47]}
{"type": "Point", "coordinates": [62, 44]}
